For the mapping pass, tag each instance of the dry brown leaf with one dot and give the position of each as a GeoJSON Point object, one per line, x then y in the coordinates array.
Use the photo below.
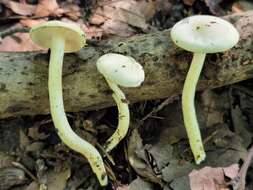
{"type": "Point", "coordinates": [21, 42]}
{"type": "Point", "coordinates": [189, 2]}
{"type": "Point", "coordinates": [90, 31]}
{"type": "Point", "coordinates": [117, 28]}
{"type": "Point", "coordinates": [237, 8]}
{"type": "Point", "coordinates": [206, 178]}
{"type": "Point", "coordinates": [214, 7]}
{"type": "Point", "coordinates": [58, 180]}
{"type": "Point", "coordinates": [32, 186]}
{"type": "Point", "coordinates": [231, 171]}
{"type": "Point", "coordinates": [72, 11]}
{"type": "Point", "coordinates": [6, 160]}
{"type": "Point", "coordinates": [121, 13]}
{"type": "Point", "coordinates": [20, 8]}
{"type": "Point", "coordinates": [123, 187]}
{"type": "Point", "coordinates": [35, 134]}
{"type": "Point", "coordinates": [31, 22]}
{"type": "Point", "coordinates": [48, 7]}
{"type": "Point", "coordinates": [209, 178]}
{"type": "Point", "coordinates": [242, 6]}
{"type": "Point", "coordinates": [118, 16]}
{"type": "Point", "coordinates": [97, 19]}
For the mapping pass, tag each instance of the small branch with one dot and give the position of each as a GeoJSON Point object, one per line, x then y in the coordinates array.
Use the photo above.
{"type": "Point", "coordinates": [13, 30]}
{"type": "Point", "coordinates": [239, 182]}
{"type": "Point", "coordinates": [159, 107]}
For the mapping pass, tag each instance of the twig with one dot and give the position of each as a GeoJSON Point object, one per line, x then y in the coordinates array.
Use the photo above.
{"type": "Point", "coordinates": [239, 181]}
{"type": "Point", "coordinates": [13, 30]}
{"type": "Point", "coordinates": [18, 165]}
{"type": "Point", "coordinates": [160, 107]}
{"type": "Point", "coordinates": [105, 154]}
{"type": "Point", "coordinates": [205, 141]}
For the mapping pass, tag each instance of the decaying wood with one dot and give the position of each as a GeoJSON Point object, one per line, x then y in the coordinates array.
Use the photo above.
{"type": "Point", "coordinates": [23, 76]}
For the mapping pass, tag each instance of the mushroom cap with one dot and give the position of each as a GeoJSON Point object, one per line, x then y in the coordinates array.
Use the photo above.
{"type": "Point", "coordinates": [120, 69]}
{"type": "Point", "coordinates": [42, 34]}
{"type": "Point", "coordinates": [204, 34]}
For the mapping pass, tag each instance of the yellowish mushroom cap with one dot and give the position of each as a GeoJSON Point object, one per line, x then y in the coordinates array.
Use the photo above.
{"type": "Point", "coordinates": [204, 34]}
{"type": "Point", "coordinates": [120, 69]}
{"type": "Point", "coordinates": [42, 34]}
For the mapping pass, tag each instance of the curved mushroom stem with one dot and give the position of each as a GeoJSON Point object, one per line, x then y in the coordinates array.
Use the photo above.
{"type": "Point", "coordinates": [189, 113]}
{"type": "Point", "coordinates": [123, 119]}
{"type": "Point", "coordinates": [62, 126]}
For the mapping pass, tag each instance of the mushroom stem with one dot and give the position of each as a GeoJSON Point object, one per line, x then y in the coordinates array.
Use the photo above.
{"type": "Point", "coordinates": [123, 118]}
{"type": "Point", "coordinates": [190, 118]}
{"type": "Point", "coordinates": [67, 135]}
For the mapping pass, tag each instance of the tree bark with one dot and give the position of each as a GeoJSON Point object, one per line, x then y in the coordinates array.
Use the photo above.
{"type": "Point", "coordinates": [23, 76]}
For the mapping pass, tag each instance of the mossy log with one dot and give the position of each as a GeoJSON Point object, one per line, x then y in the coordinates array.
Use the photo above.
{"type": "Point", "coordinates": [23, 76]}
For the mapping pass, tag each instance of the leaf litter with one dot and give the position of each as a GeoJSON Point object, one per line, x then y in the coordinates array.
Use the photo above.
{"type": "Point", "coordinates": [163, 159]}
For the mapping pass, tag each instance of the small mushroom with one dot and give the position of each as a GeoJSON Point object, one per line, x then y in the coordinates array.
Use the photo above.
{"type": "Point", "coordinates": [120, 70]}
{"type": "Point", "coordinates": [200, 34]}
{"type": "Point", "coordinates": [63, 37]}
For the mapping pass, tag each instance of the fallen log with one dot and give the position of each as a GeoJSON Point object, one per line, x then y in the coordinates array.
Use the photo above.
{"type": "Point", "coordinates": [23, 76]}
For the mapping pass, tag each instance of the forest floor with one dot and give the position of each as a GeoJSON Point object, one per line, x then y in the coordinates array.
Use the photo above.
{"type": "Point", "coordinates": [155, 155]}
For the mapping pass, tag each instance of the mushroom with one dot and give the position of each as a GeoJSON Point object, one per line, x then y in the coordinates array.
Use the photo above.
{"type": "Point", "coordinates": [120, 70]}
{"type": "Point", "coordinates": [63, 37]}
{"type": "Point", "coordinates": [200, 34]}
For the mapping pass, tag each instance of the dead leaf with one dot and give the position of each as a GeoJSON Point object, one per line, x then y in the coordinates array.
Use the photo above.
{"type": "Point", "coordinates": [90, 31]}
{"type": "Point", "coordinates": [214, 7]}
{"type": "Point", "coordinates": [123, 187]}
{"type": "Point", "coordinates": [189, 2]}
{"type": "Point", "coordinates": [20, 8]}
{"type": "Point", "coordinates": [122, 17]}
{"type": "Point", "coordinates": [97, 19]}
{"type": "Point", "coordinates": [209, 178]}
{"type": "Point", "coordinates": [215, 107]}
{"type": "Point", "coordinates": [117, 28]}
{"type": "Point", "coordinates": [19, 42]}
{"type": "Point", "coordinates": [11, 176]}
{"type": "Point", "coordinates": [224, 148]}
{"type": "Point", "coordinates": [206, 178]}
{"type": "Point", "coordinates": [242, 6]}
{"type": "Point", "coordinates": [36, 134]}
{"type": "Point", "coordinates": [6, 160]}
{"type": "Point", "coordinates": [237, 7]}
{"type": "Point", "coordinates": [241, 126]}
{"type": "Point", "coordinates": [122, 13]}
{"type": "Point", "coordinates": [31, 22]}
{"type": "Point", "coordinates": [32, 186]}
{"type": "Point", "coordinates": [48, 7]}
{"type": "Point", "coordinates": [24, 140]}
{"type": "Point", "coordinates": [181, 183]}
{"type": "Point", "coordinates": [139, 183]}
{"type": "Point", "coordinates": [231, 171]}
{"type": "Point", "coordinates": [72, 11]}
{"type": "Point", "coordinates": [58, 180]}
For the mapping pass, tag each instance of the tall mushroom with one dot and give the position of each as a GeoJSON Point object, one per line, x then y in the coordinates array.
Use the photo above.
{"type": "Point", "coordinates": [200, 34]}
{"type": "Point", "coordinates": [63, 37]}
{"type": "Point", "coordinates": [120, 70]}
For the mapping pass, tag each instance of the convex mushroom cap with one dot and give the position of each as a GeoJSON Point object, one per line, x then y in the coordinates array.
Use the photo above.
{"type": "Point", "coordinates": [43, 35]}
{"type": "Point", "coordinates": [204, 34]}
{"type": "Point", "coordinates": [120, 69]}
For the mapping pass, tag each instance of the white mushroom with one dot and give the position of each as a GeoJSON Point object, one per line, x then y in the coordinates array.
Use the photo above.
{"type": "Point", "coordinates": [200, 34]}
{"type": "Point", "coordinates": [63, 37]}
{"type": "Point", "coordinates": [120, 70]}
